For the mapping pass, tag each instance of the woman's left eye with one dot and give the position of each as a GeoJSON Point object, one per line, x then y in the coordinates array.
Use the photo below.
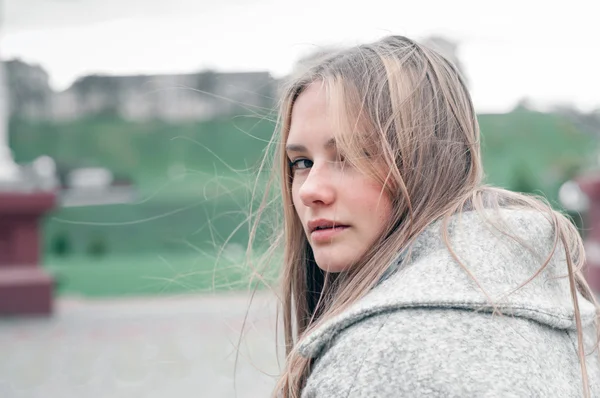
{"type": "Point", "coordinates": [300, 164]}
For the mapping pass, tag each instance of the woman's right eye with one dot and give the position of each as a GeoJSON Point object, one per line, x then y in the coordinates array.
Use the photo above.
{"type": "Point", "coordinates": [300, 164]}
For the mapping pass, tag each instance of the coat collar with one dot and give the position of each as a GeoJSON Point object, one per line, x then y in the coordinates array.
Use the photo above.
{"type": "Point", "coordinates": [429, 277]}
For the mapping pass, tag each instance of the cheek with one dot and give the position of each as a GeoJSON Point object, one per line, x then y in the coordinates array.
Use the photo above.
{"type": "Point", "coordinates": [374, 202]}
{"type": "Point", "coordinates": [296, 202]}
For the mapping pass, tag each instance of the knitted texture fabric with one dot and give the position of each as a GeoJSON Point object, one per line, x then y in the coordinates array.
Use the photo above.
{"type": "Point", "coordinates": [428, 330]}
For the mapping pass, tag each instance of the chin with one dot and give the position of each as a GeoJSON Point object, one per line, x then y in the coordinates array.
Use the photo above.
{"type": "Point", "coordinates": [333, 265]}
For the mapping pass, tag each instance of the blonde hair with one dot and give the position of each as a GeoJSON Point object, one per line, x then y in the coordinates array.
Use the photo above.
{"type": "Point", "coordinates": [409, 113]}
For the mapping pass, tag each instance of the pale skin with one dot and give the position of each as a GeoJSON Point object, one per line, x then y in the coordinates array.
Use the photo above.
{"type": "Point", "coordinates": [348, 206]}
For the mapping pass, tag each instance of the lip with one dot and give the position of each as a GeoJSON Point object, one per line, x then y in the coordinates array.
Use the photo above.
{"type": "Point", "coordinates": [326, 235]}
{"type": "Point", "coordinates": [333, 229]}
{"type": "Point", "coordinates": [323, 222]}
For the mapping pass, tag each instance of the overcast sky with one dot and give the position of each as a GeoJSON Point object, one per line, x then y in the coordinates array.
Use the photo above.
{"type": "Point", "coordinates": [546, 50]}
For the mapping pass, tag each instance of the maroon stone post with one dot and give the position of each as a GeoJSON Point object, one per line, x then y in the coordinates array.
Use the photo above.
{"type": "Point", "coordinates": [25, 288]}
{"type": "Point", "coordinates": [590, 185]}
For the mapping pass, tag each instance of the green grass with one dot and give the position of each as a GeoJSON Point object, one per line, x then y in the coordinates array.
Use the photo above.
{"type": "Point", "coordinates": [534, 151]}
{"type": "Point", "coordinates": [173, 217]}
{"type": "Point", "coordinates": [148, 274]}
{"type": "Point", "coordinates": [147, 151]}
{"type": "Point", "coordinates": [145, 247]}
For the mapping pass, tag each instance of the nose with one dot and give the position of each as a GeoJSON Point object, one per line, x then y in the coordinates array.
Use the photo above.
{"type": "Point", "coordinates": [317, 189]}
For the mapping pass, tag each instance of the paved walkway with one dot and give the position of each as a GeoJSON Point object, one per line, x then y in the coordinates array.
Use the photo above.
{"type": "Point", "coordinates": [156, 347]}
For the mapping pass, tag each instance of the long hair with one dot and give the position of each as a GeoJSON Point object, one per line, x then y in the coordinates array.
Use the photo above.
{"type": "Point", "coordinates": [402, 105]}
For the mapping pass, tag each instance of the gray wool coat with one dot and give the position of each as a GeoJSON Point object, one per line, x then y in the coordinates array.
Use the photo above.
{"type": "Point", "coordinates": [427, 330]}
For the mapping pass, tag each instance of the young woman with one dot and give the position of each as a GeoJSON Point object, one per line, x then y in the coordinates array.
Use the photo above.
{"type": "Point", "coordinates": [405, 275]}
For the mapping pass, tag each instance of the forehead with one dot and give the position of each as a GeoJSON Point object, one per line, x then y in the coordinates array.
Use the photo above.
{"type": "Point", "coordinates": [311, 116]}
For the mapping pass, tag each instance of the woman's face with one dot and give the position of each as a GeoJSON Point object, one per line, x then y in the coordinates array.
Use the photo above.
{"type": "Point", "coordinates": [342, 210]}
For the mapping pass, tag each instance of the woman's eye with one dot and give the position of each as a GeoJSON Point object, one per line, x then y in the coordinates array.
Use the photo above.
{"type": "Point", "coordinates": [301, 164]}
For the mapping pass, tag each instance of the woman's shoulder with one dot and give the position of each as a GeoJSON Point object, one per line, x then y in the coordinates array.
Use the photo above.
{"type": "Point", "coordinates": [446, 352]}
{"type": "Point", "coordinates": [433, 312]}
{"type": "Point", "coordinates": [488, 279]}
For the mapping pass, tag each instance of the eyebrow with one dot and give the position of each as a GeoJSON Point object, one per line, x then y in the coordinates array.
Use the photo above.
{"type": "Point", "coordinates": [301, 148]}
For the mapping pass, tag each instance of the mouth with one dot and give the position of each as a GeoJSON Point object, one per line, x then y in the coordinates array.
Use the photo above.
{"type": "Point", "coordinates": [322, 231]}
{"type": "Point", "coordinates": [323, 224]}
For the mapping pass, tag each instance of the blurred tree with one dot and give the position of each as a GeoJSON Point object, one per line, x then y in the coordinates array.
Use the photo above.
{"type": "Point", "coordinates": [97, 246]}
{"type": "Point", "coordinates": [524, 104]}
{"type": "Point", "coordinates": [61, 245]}
{"type": "Point", "coordinates": [524, 181]}
{"type": "Point", "coordinates": [589, 122]}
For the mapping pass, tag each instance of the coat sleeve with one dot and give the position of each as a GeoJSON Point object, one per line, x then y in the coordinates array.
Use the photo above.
{"type": "Point", "coordinates": [446, 353]}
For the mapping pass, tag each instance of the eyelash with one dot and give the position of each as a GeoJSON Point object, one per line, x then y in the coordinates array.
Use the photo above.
{"type": "Point", "coordinates": [294, 164]}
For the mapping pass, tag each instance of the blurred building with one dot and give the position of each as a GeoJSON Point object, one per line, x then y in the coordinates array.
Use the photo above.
{"type": "Point", "coordinates": [29, 91]}
{"type": "Point", "coordinates": [174, 97]}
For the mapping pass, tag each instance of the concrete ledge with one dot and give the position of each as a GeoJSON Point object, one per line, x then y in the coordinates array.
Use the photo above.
{"type": "Point", "coordinates": [25, 290]}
